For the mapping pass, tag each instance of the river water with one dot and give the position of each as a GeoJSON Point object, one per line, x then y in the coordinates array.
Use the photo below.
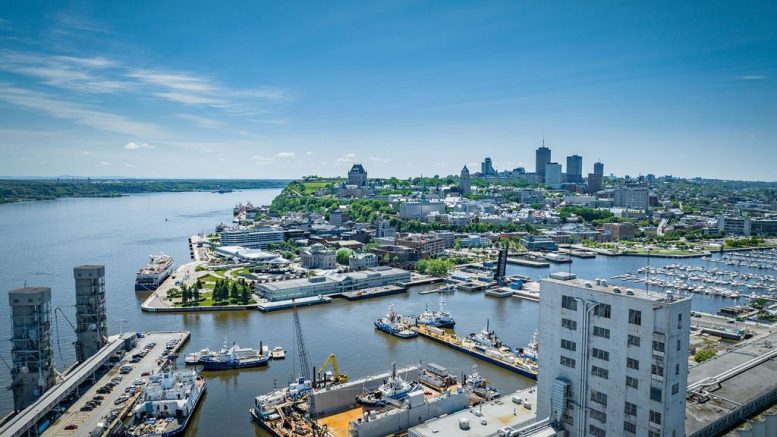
{"type": "Point", "coordinates": [42, 241]}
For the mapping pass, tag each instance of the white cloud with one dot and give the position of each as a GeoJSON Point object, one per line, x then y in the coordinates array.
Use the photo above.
{"type": "Point", "coordinates": [380, 160]}
{"type": "Point", "coordinates": [309, 153]}
{"type": "Point", "coordinates": [105, 163]}
{"type": "Point", "coordinates": [136, 146]}
{"type": "Point", "coordinates": [79, 113]}
{"type": "Point", "coordinates": [753, 77]}
{"type": "Point", "coordinates": [262, 160]}
{"type": "Point", "coordinates": [129, 166]}
{"type": "Point", "coordinates": [286, 155]}
{"type": "Point", "coordinates": [348, 158]}
{"type": "Point", "coordinates": [84, 152]}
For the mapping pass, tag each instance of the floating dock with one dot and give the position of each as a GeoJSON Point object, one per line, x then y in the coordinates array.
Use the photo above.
{"type": "Point", "coordinates": [519, 365]}
{"type": "Point", "coordinates": [527, 262]}
{"type": "Point", "coordinates": [268, 306]}
{"type": "Point", "coordinates": [367, 293]}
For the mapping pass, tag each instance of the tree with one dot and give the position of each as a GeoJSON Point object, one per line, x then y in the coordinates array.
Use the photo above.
{"type": "Point", "coordinates": [457, 244]}
{"type": "Point", "coordinates": [342, 255]}
{"type": "Point", "coordinates": [196, 294]}
{"type": "Point", "coordinates": [245, 296]}
{"type": "Point", "coordinates": [233, 293]}
{"type": "Point", "coordinates": [422, 265]}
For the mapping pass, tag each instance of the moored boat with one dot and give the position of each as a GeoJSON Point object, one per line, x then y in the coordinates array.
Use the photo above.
{"type": "Point", "coordinates": [167, 404]}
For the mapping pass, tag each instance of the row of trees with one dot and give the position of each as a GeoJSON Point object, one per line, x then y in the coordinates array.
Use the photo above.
{"type": "Point", "coordinates": [231, 291]}
{"type": "Point", "coordinates": [434, 266]}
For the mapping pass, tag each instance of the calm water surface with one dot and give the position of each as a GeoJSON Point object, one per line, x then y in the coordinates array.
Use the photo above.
{"type": "Point", "coordinates": [42, 241]}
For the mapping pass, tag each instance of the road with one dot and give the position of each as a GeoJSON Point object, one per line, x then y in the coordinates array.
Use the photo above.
{"type": "Point", "coordinates": [86, 421]}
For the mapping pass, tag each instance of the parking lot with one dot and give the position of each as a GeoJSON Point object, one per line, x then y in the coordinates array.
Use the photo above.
{"type": "Point", "coordinates": [116, 390]}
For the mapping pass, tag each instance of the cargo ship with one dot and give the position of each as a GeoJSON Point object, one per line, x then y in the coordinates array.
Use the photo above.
{"type": "Point", "coordinates": [485, 346]}
{"type": "Point", "coordinates": [393, 323]}
{"type": "Point", "coordinates": [439, 319]}
{"type": "Point", "coordinates": [198, 357]}
{"type": "Point", "coordinates": [166, 404]}
{"type": "Point", "coordinates": [151, 275]}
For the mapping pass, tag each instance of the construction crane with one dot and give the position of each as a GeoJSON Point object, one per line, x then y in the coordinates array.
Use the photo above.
{"type": "Point", "coordinates": [305, 372]}
{"type": "Point", "coordinates": [335, 377]}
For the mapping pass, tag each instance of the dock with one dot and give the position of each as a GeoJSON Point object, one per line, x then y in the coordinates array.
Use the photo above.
{"type": "Point", "coordinates": [267, 306]}
{"type": "Point", "coordinates": [527, 262]}
{"type": "Point", "coordinates": [367, 293]}
{"type": "Point", "coordinates": [69, 396]}
{"type": "Point", "coordinates": [468, 347]}
{"type": "Point", "coordinates": [500, 292]}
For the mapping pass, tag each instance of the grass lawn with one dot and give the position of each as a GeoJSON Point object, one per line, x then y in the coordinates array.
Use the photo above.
{"type": "Point", "coordinates": [312, 186]}
{"type": "Point", "coordinates": [206, 299]}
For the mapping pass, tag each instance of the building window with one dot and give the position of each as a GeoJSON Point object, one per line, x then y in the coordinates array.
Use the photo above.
{"type": "Point", "coordinates": [658, 346]}
{"type": "Point", "coordinates": [599, 397]}
{"type": "Point", "coordinates": [568, 345]}
{"type": "Point", "coordinates": [631, 363]}
{"type": "Point", "coordinates": [601, 373]}
{"type": "Point", "coordinates": [676, 369]}
{"type": "Point", "coordinates": [680, 321]}
{"type": "Point", "coordinates": [655, 394]}
{"type": "Point", "coordinates": [655, 417]}
{"type": "Point", "coordinates": [678, 345]}
{"type": "Point", "coordinates": [675, 388]}
{"type": "Point", "coordinates": [602, 355]}
{"type": "Point", "coordinates": [596, 431]}
{"type": "Point", "coordinates": [630, 427]}
{"type": "Point", "coordinates": [630, 409]}
{"type": "Point", "coordinates": [598, 415]}
{"type": "Point", "coordinates": [632, 382]}
{"type": "Point", "coordinates": [634, 340]}
{"type": "Point", "coordinates": [601, 332]}
{"type": "Point", "coordinates": [569, 324]}
{"type": "Point", "coordinates": [653, 434]}
{"type": "Point", "coordinates": [603, 310]}
{"type": "Point", "coordinates": [568, 419]}
{"type": "Point", "coordinates": [657, 369]}
{"type": "Point", "coordinates": [569, 303]}
{"type": "Point", "coordinates": [568, 362]}
{"type": "Point", "coordinates": [635, 317]}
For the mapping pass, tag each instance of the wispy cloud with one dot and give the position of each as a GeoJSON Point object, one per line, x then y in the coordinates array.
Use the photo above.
{"type": "Point", "coordinates": [205, 122]}
{"type": "Point", "coordinates": [348, 158]}
{"type": "Point", "coordinates": [73, 73]}
{"type": "Point", "coordinates": [105, 163]}
{"type": "Point", "coordinates": [753, 77]}
{"type": "Point", "coordinates": [286, 155]}
{"type": "Point", "coordinates": [380, 160]}
{"type": "Point", "coordinates": [137, 146]}
{"type": "Point", "coordinates": [81, 114]}
{"type": "Point", "coordinates": [262, 160]}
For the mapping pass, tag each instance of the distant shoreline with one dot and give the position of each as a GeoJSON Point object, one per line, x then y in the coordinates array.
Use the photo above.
{"type": "Point", "coordinates": [25, 190]}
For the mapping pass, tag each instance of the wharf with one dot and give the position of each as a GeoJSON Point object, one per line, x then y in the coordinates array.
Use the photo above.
{"type": "Point", "coordinates": [267, 306]}
{"type": "Point", "coordinates": [418, 279]}
{"type": "Point", "coordinates": [472, 286]}
{"type": "Point", "coordinates": [530, 291]}
{"type": "Point", "coordinates": [500, 292]}
{"type": "Point", "coordinates": [67, 395]}
{"type": "Point", "coordinates": [527, 262]}
{"type": "Point", "coordinates": [367, 293]}
{"type": "Point", "coordinates": [459, 344]}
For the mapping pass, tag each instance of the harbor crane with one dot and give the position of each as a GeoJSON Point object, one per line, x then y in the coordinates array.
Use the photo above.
{"type": "Point", "coordinates": [306, 372]}
{"type": "Point", "coordinates": [334, 377]}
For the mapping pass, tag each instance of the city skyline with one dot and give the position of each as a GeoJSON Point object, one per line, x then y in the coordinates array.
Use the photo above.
{"type": "Point", "coordinates": [280, 91]}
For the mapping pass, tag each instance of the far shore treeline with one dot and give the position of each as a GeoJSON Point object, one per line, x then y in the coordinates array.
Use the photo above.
{"type": "Point", "coordinates": [17, 190]}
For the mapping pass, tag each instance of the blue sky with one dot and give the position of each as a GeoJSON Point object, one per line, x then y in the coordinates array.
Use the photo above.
{"type": "Point", "coordinates": [284, 89]}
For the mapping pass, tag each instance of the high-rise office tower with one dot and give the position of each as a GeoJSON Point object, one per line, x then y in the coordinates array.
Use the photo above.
{"type": "Point", "coordinates": [594, 182]}
{"type": "Point", "coordinates": [31, 347]}
{"type": "Point", "coordinates": [542, 160]}
{"type": "Point", "coordinates": [575, 169]}
{"type": "Point", "coordinates": [487, 168]}
{"type": "Point", "coordinates": [614, 361]}
{"type": "Point", "coordinates": [599, 168]}
{"type": "Point", "coordinates": [553, 175]}
{"type": "Point", "coordinates": [464, 182]}
{"type": "Point", "coordinates": [91, 323]}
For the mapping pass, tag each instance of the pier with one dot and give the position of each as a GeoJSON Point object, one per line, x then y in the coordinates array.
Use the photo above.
{"type": "Point", "coordinates": [71, 394]}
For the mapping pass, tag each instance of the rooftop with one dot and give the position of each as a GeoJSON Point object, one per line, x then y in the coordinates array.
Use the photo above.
{"type": "Point", "coordinates": [602, 286]}
{"type": "Point", "coordinates": [30, 290]}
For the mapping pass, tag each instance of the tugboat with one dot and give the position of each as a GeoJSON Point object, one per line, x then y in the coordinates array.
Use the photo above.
{"type": "Point", "coordinates": [480, 386]}
{"type": "Point", "coordinates": [438, 319]}
{"type": "Point", "coordinates": [153, 273]}
{"type": "Point", "coordinates": [278, 353]}
{"type": "Point", "coordinates": [486, 337]}
{"type": "Point", "coordinates": [393, 324]}
{"type": "Point", "coordinates": [166, 404]}
{"type": "Point", "coordinates": [232, 359]}
{"type": "Point", "coordinates": [395, 388]}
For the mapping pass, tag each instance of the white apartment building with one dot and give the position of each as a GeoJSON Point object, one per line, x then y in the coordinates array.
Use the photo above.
{"type": "Point", "coordinates": [419, 210]}
{"type": "Point", "coordinates": [553, 175]}
{"type": "Point", "coordinates": [252, 238]}
{"type": "Point", "coordinates": [614, 361]}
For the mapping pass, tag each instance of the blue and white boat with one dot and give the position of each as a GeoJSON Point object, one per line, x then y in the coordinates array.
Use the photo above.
{"type": "Point", "coordinates": [393, 323]}
{"type": "Point", "coordinates": [438, 319]}
{"type": "Point", "coordinates": [166, 405]}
